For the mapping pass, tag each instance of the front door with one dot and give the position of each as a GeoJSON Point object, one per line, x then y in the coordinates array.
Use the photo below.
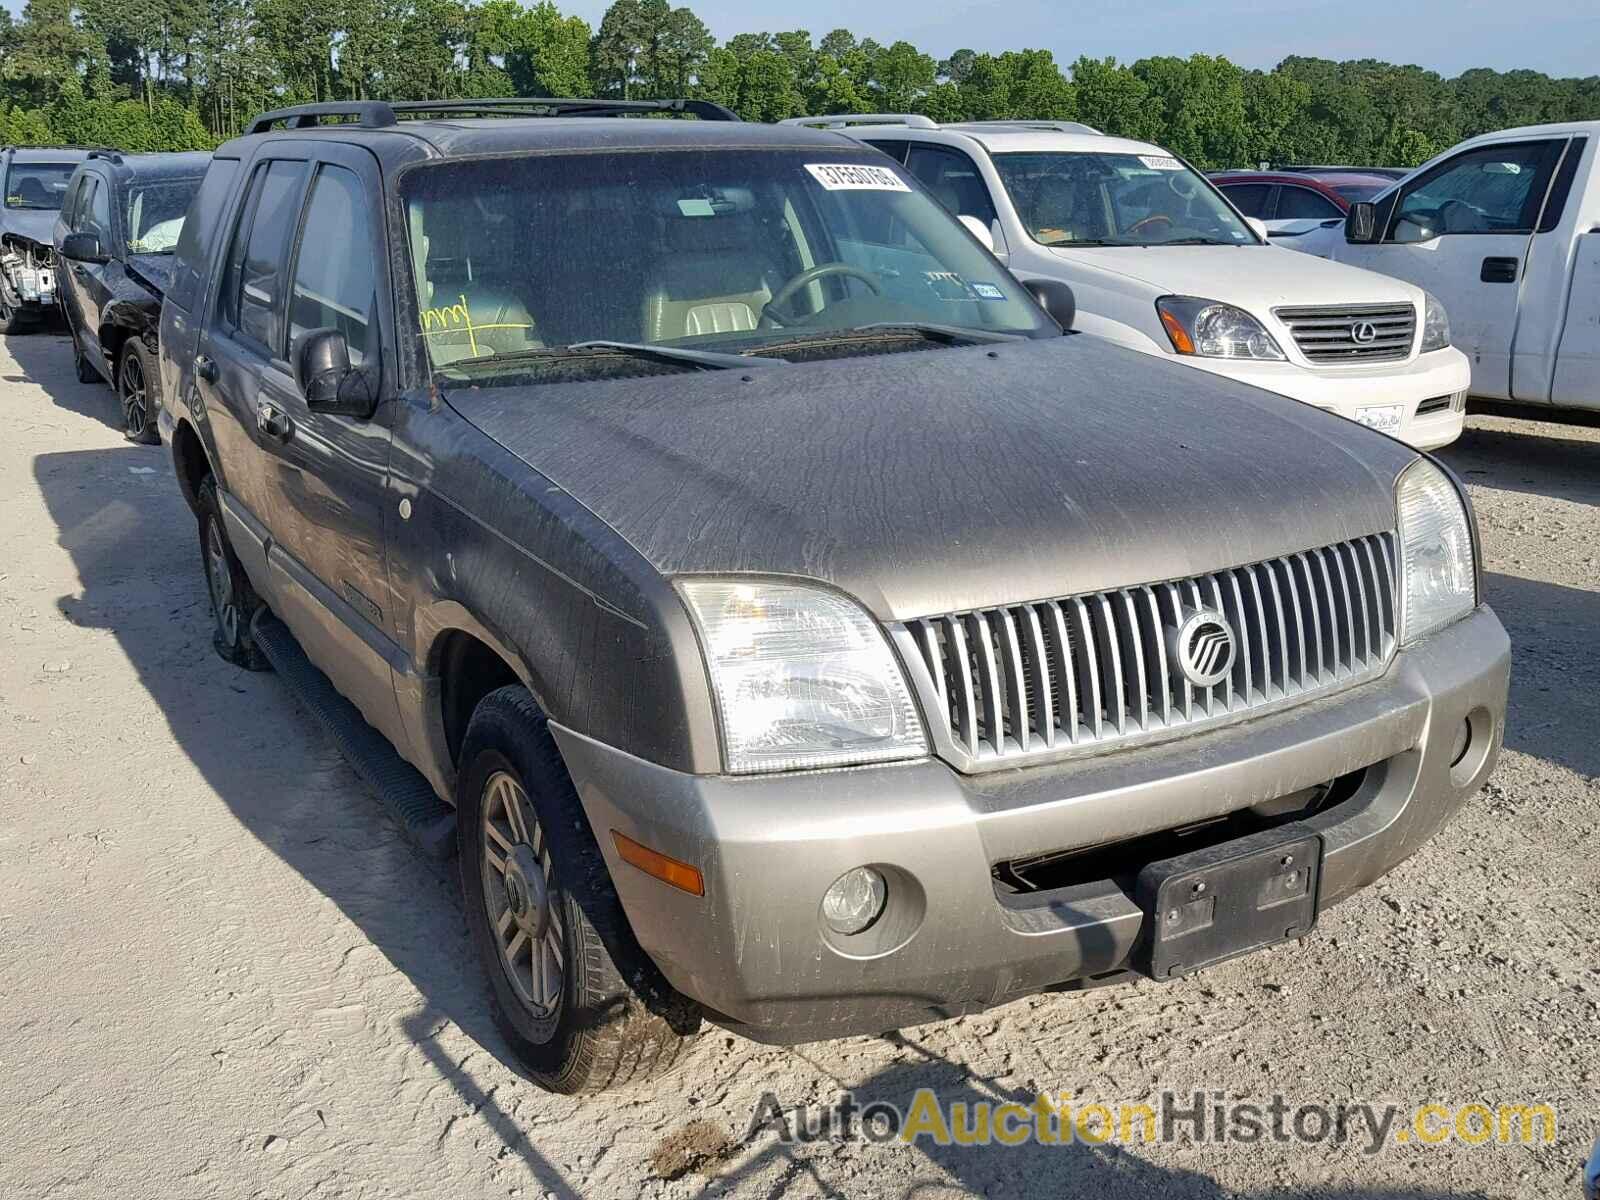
{"type": "Point", "coordinates": [82, 285]}
{"type": "Point", "coordinates": [1462, 231]}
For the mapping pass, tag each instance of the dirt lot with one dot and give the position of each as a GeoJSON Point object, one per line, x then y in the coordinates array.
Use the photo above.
{"type": "Point", "coordinates": [222, 974]}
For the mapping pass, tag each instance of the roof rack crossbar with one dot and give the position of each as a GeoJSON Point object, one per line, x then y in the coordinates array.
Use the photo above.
{"type": "Point", "coordinates": [378, 114]}
{"type": "Point", "coordinates": [845, 120]}
{"type": "Point", "coordinates": [1024, 123]}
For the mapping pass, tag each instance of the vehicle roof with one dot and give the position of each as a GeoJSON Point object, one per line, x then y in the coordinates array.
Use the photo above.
{"type": "Point", "coordinates": [1005, 139]}
{"type": "Point", "coordinates": [187, 165]}
{"type": "Point", "coordinates": [1566, 128]}
{"type": "Point", "coordinates": [1349, 178]}
{"type": "Point", "coordinates": [469, 136]}
{"type": "Point", "coordinates": [1316, 183]}
{"type": "Point", "coordinates": [47, 154]}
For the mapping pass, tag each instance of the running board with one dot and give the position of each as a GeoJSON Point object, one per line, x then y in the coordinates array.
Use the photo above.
{"type": "Point", "coordinates": [428, 823]}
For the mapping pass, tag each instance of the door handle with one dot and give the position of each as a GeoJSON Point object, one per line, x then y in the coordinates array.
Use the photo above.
{"type": "Point", "coordinates": [205, 367]}
{"type": "Point", "coordinates": [273, 422]}
{"type": "Point", "coordinates": [1498, 270]}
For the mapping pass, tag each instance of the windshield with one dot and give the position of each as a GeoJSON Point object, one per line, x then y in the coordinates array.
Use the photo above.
{"type": "Point", "coordinates": [1358, 193]}
{"type": "Point", "coordinates": [156, 212]}
{"type": "Point", "coordinates": [722, 250]}
{"type": "Point", "coordinates": [1096, 199]}
{"type": "Point", "coordinates": [37, 185]}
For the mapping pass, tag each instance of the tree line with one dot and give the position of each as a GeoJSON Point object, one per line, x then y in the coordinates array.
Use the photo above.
{"type": "Point", "coordinates": [185, 74]}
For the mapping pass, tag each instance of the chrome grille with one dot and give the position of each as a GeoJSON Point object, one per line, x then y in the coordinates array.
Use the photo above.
{"type": "Point", "coordinates": [1330, 335]}
{"type": "Point", "coordinates": [1084, 673]}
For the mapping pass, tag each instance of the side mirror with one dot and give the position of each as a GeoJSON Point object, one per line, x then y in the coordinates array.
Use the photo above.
{"type": "Point", "coordinates": [1258, 227]}
{"type": "Point", "coordinates": [82, 247]}
{"type": "Point", "coordinates": [1055, 298]}
{"type": "Point", "coordinates": [978, 230]}
{"type": "Point", "coordinates": [1361, 224]}
{"type": "Point", "coordinates": [328, 381]}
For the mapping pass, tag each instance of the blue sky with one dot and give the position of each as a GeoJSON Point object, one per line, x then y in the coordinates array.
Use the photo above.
{"type": "Point", "coordinates": [1559, 37]}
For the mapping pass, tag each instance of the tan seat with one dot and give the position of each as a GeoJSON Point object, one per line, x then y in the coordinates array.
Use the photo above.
{"type": "Point", "coordinates": [711, 280]}
{"type": "Point", "coordinates": [463, 314]}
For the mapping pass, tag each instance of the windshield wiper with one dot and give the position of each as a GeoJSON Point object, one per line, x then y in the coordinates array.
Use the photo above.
{"type": "Point", "coordinates": [702, 360]}
{"type": "Point", "coordinates": [946, 335]}
{"type": "Point", "coordinates": [1198, 241]}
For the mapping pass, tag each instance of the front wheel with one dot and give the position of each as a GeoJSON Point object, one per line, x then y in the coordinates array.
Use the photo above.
{"type": "Point", "coordinates": [139, 390]}
{"type": "Point", "coordinates": [573, 993]}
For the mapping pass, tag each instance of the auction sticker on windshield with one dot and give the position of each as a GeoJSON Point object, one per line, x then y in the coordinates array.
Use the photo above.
{"type": "Point", "coordinates": [1384, 418]}
{"type": "Point", "coordinates": [1161, 162]}
{"type": "Point", "coordinates": [854, 177]}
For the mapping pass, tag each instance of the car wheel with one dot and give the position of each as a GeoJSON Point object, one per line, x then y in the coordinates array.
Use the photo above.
{"type": "Point", "coordinates": [582, 1005]}
{"type": "Point", "coordinates": [12, 321]}
{"type": "Point", "coordinates": [138, 388]}
{"type": "Point", "coordinates": [234, 603]}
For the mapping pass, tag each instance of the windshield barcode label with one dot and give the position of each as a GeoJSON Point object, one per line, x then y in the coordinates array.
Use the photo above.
{"type": "Point", "coordinates": [853, 177]}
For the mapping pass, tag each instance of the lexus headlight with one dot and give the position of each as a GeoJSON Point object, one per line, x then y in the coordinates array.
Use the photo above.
{"type": "Point", "coordinates": [1435, 324]}
{"type": "Point", "coordinates": [1438, 578]}
{"type": "Point", "coordinates": [803, 677]}
{"type": "Point", "coordinates": [1210, 329]}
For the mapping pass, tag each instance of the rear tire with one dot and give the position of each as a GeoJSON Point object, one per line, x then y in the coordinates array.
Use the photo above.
{"type": "Point", "coordinates": [139, 392]}
{"type": "Point", "coordinates": [234, 602]}
{"type": "Point", "coordinates": [593, 1012]}
{"type": "Point", "coordinates": [13, 322]}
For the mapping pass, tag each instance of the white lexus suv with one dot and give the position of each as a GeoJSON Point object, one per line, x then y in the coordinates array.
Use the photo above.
{"type": "Point", "coordinates": [1157, 259]}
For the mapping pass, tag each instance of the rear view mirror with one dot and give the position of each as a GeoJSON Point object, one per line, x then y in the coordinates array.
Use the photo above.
{"type": "Point", "coordinates": [82, 247]}
{"type": "Point", "coordinates": [978, 230]}
{"type": "Point", "coordinates": [1361, 223]}
{"type": "Point", "coordinates": [328, 381]}
{"type": "Point", "coordinates": [1055, 298]}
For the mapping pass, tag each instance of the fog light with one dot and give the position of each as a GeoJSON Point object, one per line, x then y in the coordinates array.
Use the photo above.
{"type": "Point", "coordinates": [855, 900]}
{"type": "Point", "coordinates": [1462, 744]}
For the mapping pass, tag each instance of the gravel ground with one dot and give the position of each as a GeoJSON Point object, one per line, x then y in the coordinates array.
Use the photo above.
{"type": "Point", "coordinates": [222, 974]}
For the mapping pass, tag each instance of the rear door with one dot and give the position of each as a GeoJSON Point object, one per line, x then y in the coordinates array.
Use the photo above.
{"type": "Point", "coordinates": [245, 323]}
{"type": "Point", "coordinates": [1463, 230]}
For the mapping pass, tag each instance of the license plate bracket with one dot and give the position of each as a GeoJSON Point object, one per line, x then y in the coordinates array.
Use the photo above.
{"type": "Point", "coordinates": [1223, 901]}
{"type": "Point", "coordinates": [1385, 418]}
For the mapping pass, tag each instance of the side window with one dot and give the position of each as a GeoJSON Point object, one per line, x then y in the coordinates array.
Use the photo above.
{"type": "Point", "coordinates": [894, 149]}
{"type": "Point", "coordinates": [953, 179]}
{"type": "Point", "coordinates": [95, 210]}
{"type": "Point", "coordinates": [253, 286]}
{"type": "Point", "coordinates": [1250, 198]}
{"type": "Point", "coordinates": [205, 210]}
{"type": "Point", "coordinates": [69, 206]}
{"type": "Point", "coordinates": [333, 277]}
{"type": "Point", "coordinates": [1303, 204]}
{"type": "Point", "coordinates": [1493, 189]}
{"type": "Point", "coordinates": [1562, 187]}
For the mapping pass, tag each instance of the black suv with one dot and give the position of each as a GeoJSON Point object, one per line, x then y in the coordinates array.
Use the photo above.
{"type": "Point", "coordinates": [808, 635]}
{"type": "Point", "coordinates": [114, 236]}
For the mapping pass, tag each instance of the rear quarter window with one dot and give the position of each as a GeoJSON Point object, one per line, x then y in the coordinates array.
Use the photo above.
{"type": "Point", "coordinates": [194, 243]}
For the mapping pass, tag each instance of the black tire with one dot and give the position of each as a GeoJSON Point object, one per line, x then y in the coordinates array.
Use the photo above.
{"type": "Point", "coordinates": [614, 1019]}
{"type": "Point", "coordinates": [13, 322]}
{"type": "Point", "coordinates": [234, 603]}
{"type": "Point", "coordinates": [138, 392]}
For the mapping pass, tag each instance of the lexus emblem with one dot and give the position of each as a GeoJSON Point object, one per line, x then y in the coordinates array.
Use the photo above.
{"type": "Point", "coordinates": [1363, 332]}
{"type": "Point", "coordinates": [1204, 647]}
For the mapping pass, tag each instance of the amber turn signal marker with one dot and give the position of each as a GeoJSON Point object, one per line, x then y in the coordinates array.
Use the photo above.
{"type": "Point", "coordinates": [652, 862]}
{"type": "Point", "coordinates": [1181, 341]}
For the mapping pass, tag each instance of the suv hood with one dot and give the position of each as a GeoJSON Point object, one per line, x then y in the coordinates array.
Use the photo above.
{"type": "Point", "coordinates": [153, 270]}
{"type": "Point", "coordinates": [36, 224]}
{"type": "Point", "coordinates": [952, 479]}
{"type": "Point", "coordinates": [1252, 277]}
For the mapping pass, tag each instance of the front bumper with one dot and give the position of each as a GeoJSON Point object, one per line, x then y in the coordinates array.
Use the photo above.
{"type": "Point", "coordinates": [1349, 391]}
{"type": "Point", "coordinates": [755, 952]}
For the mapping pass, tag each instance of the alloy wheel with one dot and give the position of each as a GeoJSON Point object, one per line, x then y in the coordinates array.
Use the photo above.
{"type": "Point", "coordinates": [523, 914]}
{"type": "Point", "coordinates": [220, 578]}
{"type": "Point", "coordinates": [132, 381]}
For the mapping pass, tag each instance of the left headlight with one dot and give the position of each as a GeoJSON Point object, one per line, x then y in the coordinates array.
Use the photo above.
{"type": "Point", "coordinates": [1211, 329]}
{"type": "Point", "coordinates": [1438, 577]}
{"type": "Point", "coordinates": [1435, 324]}
{"type": "Point", "coordinates": [803, 677]}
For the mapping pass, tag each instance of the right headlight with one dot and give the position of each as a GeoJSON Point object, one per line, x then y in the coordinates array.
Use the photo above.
{"type": "Point", "coordinates": [1212, 329]}
{"type": "Point", "coordinates": [1435, 324]}
{"type": "Point", "coordinates": [1438, 576]}
{"type": "Point", "coordinates": [803, 677]}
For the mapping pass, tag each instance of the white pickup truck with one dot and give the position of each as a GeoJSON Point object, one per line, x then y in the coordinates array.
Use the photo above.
{"type": "Point", "coordinates": [1159, 261]}
{"type": "Point", "coordinates": [1505, 230]}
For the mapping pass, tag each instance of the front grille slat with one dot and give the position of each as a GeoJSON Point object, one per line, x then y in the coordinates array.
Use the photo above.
{"type": "Point", "coordinates": [1329, 335]}
{"type": "Point", "coordinates": [1051, 677]}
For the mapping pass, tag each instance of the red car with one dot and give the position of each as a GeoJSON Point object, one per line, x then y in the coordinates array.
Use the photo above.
{"type": "Point", "coordinates": [1294, 203]}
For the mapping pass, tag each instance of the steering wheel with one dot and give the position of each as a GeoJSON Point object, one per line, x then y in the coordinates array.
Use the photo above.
{"type": "Point", "coordinates": [1152, 219]}
{"type": "Point", "coordinates": [805, 279]}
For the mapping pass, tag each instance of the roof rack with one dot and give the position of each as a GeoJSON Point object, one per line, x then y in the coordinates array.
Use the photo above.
{"type": "Point", "coordinates": [114, 156]}
{"type": "Point", "coordinates": [845, 120]}
{"type": "Point", "coordinates": [380, 114]}
{"type": "Point", "coordinates": [1021, 123]}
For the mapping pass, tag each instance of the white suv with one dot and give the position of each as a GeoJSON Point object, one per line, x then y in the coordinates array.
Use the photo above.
{"type": "Point", "coordinates": [1158, 260]}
